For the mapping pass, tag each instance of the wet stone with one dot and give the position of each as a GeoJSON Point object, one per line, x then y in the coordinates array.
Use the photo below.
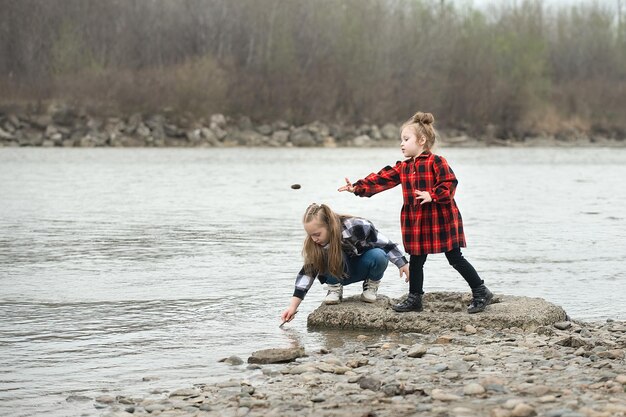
{"type": "Point", "coordinates": [267, 356]}
{"type": "Point", "coordinates": [185, 392]}
{"type": "Point", "coordinates": [563, 325]}
{"type": "Point", "coordinates": [370, 383]}
{"type": "Point", "coordinates": [417, 351]}
{"type": "Point", "coordinates": [77, 398]}
{"type": "Point", "coordinates": [233, 360]}
{"type": "Point", "coordinates": [473, 389]}
{"type": "Point", "coordinates": [105, 399]}
{"type": "Point", "coordinates": [523, 410]}
{"type": "Point", "coordinates": [557, 412]}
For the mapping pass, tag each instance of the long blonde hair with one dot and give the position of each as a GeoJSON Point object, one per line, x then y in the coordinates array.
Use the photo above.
{"type": "Point", "coordinates": [422, 125]}
{"type": "Point", "coordinates": [316, 258]}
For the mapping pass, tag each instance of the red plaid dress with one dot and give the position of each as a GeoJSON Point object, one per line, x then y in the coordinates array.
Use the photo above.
{"type": "Point", "coordinates": [433, 227]}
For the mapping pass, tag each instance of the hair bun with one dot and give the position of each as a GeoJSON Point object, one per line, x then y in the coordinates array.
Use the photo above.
{"type": "Point", "coordinates": [423, 118]}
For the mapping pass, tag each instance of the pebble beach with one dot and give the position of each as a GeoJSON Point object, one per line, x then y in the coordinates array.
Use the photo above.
{"type": "Point", "coordinates": [568, 369]}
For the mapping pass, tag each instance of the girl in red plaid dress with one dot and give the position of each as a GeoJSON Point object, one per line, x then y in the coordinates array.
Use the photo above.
{"type": "Point", "coordinates": [430, 219]}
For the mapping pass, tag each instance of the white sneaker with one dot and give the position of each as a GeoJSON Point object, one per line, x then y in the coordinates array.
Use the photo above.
{"type": "Point", "coordinates": [370, 288]}
{"type": "Point", "coordinates": [334, 295]}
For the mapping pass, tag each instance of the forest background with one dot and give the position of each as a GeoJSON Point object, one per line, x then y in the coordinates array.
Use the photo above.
{"type": "Point", "coordinates": [525, 67]}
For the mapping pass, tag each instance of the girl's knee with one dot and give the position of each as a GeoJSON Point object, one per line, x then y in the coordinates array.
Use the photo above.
{"type": "Point", "coordinates": [329, 279]}
{"type": "Point", "coordinates": [378, 256]}
{"type": "Point", "coordinates": [377, 263]}
{"type": "Point", "coordinates": [379, 253]}
{"type": "Point", "coordinates": [454, 257]}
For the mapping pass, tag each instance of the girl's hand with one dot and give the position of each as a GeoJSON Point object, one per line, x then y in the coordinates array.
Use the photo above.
{"type": "Point", "coordinates": [348, 187]}
{"type": "Point", "coordinates": [288, 315]}
{"type": "Point", "coordinates": [424, 196]}
{"type": "Point", "coordinates": [405, 271]}
{"type": "Point", "coordinates": [291, 311]}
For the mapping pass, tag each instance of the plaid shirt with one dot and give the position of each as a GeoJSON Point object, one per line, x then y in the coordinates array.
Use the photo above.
{"type": "Point", "coordinates": [358, 235]}
{"type": "Point", "coordinates": [426, 228]}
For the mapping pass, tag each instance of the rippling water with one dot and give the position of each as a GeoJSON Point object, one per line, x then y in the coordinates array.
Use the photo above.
{"type": "Point", "coordinates": [127, 271]}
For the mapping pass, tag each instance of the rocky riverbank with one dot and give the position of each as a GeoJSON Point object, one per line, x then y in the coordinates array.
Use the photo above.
{"type": "Point", "coordinates": [63, 126]}
{"type": "Point", "coordinates": [563, 369]}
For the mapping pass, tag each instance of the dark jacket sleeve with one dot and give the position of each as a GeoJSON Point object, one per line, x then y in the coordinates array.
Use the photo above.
{"type": "Point", "coordinates": [303, 284]}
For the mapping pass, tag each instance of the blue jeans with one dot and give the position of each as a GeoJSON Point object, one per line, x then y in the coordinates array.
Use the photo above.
{"type": "Point", "coordinates": [370, 265]}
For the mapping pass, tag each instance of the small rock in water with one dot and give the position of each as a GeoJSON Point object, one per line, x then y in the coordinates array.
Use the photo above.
{"type": "Point", "coordinates": [266, 356]}
{"type": "Point", "coordinates": [105, 399]}
{"type": "Point", "coordinates": [77, 398]}
{"type": "Point", "coordinates": [295, 186]}
{"type": "Point", "coordinates": [185, 392]}
{"type": "Point", "coordinates": [125, 400]}
{"type": "Point", "coordinates": [233, 360]}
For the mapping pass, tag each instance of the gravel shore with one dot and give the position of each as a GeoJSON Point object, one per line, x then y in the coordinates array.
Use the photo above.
{"type": "Point", "coordinates": [567, 369]}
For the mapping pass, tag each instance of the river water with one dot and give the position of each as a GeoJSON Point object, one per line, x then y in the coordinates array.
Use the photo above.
{"type": "Point", "coordinates": [125, 271]}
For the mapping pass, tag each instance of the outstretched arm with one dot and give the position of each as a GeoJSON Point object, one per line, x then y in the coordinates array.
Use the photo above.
{"type": "Point", "coordinates": [303, 284]}
{"type": "Point", "coordinates": [386, 178]}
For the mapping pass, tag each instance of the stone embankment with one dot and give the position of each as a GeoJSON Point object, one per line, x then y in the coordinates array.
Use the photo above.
{"type": "Point", "coordinates": [62, 126]}
{"type": "Point", "coordinates": [457, 369]}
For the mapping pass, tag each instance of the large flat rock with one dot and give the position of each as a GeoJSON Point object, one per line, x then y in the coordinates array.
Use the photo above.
{"type": "Point", "coordinates": [276, 355]}
{"type": "Point", "coordinates": [442, 311]}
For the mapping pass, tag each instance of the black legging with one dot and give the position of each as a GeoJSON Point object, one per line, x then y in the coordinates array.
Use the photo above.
{"type": "Point", "coordinates": [455, 258]}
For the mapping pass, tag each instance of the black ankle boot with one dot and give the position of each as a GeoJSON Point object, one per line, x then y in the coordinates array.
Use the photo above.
{"type": "Point", "coordinates": [413, 302]}
{"type": "Point", "coordinates": [481, 298]}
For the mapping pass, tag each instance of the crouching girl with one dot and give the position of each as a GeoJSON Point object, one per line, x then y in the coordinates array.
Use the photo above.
{"type": "Point", "coordinates": [340, 250]}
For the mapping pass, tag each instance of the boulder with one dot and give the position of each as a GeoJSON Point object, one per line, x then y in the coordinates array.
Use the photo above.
{"type": "Point", "coordinates": [302, 138]}
{"type": "Point", "coordinates": [442, 311]}
{"type": "Point", "coordinates": [362, 140]}
{"type": "Point", "coordinates": [390, 132]}
{"type": "Point", "coordinates": [266, 356]}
